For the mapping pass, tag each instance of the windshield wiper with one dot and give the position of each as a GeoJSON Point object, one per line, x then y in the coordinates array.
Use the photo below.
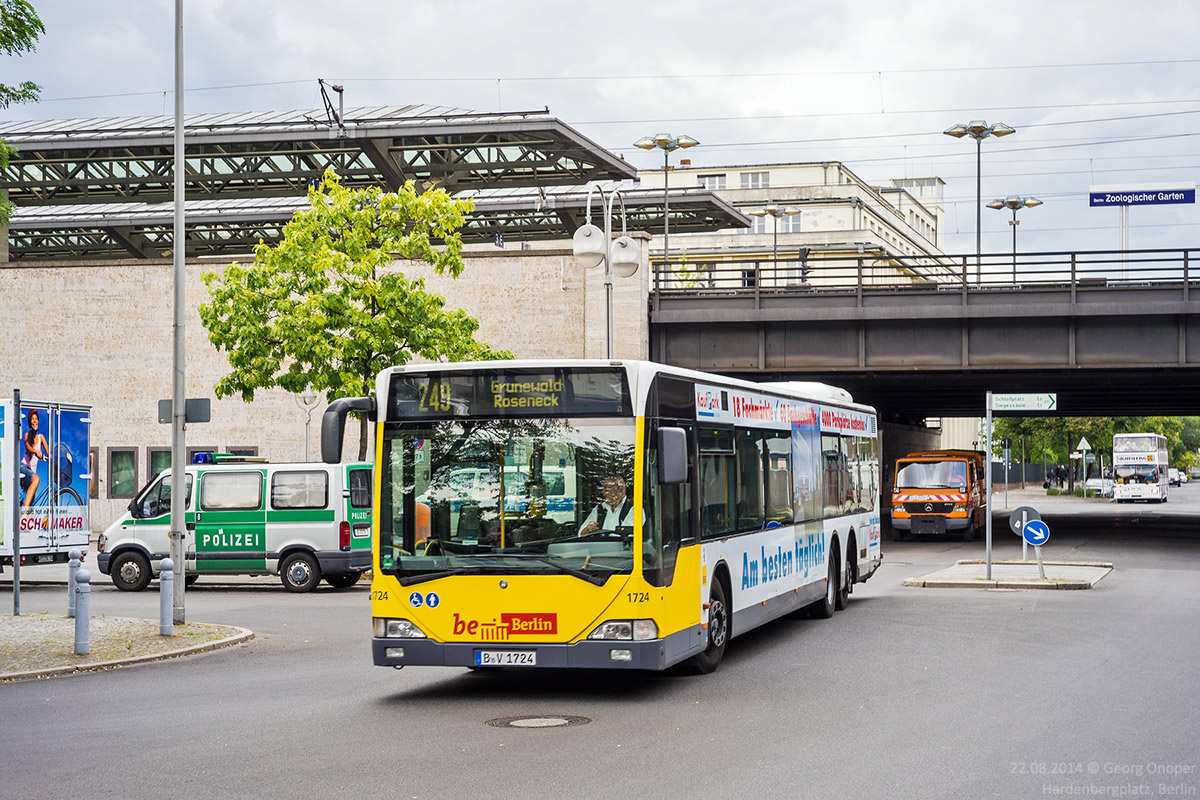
{"type": "Point", "coordinates": [578, 573]}
{"type": "Point", "coordinates": [493, 569]}
{"type": "Point", "coordinates": [406, 580]}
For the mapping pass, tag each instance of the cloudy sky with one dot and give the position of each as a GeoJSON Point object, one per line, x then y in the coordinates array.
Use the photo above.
{"type": "Point", "coordinates": [1102, 92]}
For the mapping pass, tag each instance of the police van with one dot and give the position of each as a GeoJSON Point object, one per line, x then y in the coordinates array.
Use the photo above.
{"type": "Point", "coordinates": [303, 522]}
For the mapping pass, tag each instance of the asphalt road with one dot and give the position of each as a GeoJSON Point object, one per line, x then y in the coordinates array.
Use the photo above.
{"type": "Point", "coordinates": [909, 693]}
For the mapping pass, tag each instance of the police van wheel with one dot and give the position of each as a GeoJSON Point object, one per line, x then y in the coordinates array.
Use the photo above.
{"type": "Point", "coordinates": [343, 580]}
{"type": "Point", "coordinates": [131, 571]}
{"type": "Point", "coordinates": [190, 578]}
{"type": "Point", "coordinates": [300, 573]}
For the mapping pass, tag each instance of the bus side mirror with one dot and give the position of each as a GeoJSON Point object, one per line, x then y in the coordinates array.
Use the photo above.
{"type": "Point", "coordinates": [333, 424]}
{"type": "Point", "coordinates": [672, 455]}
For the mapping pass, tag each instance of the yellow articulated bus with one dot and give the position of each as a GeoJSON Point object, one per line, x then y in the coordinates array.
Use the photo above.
{"type": "Point", "coordinates": [620, 514]}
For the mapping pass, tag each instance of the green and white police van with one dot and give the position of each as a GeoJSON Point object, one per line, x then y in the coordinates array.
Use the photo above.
{"type": "Point", "coordinates": [303, 522]}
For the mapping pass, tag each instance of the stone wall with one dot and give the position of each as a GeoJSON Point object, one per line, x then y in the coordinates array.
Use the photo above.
{"type": "Point", "coordinates": [101, 335]}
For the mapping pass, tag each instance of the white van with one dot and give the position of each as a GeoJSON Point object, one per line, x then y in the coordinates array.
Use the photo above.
{"type": "Point", "coordinates": [303, 522]}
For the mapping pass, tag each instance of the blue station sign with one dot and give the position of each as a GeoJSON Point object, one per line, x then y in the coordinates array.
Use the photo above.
{"type": "Point", "coordinates": [1174, 194]}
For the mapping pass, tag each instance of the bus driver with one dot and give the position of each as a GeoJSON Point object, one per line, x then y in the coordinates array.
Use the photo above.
{"type": "Point", "coordinates": [616, 509]}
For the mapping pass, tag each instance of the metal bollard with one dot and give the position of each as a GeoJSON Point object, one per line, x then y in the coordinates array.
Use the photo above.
{"type": "Point", "coordinates": [72, 568]}
{"type": "Point", "coordinates": [166, 592]}
{"type": "Point", "coordinates": [83, 588]}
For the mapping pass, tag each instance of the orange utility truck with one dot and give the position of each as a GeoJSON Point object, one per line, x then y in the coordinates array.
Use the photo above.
{"type": "Point", "coordinates": [939, 491]}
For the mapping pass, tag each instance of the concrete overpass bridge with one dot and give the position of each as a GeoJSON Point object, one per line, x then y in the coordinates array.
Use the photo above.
{"type": "Point", "coordinates": [1112, 332]}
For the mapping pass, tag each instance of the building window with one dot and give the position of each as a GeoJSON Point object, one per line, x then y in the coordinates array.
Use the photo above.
{"type": "Point", "coordinates": [157, 459]}
{"type": "Point", "coordinates": [789, 224]}
{"type": "Point", "coordinates": [713, 183]}
{"type": "Point", "coordinates": [122, 472]}
{"type": "Point", "coordinates": [241, 451]}
{"type": "Point", "coordinates": [758, 225]}
{"type": "Point", "coordinates": [191, 451]}
{"type": "Point", "coordinates": [756, 180]}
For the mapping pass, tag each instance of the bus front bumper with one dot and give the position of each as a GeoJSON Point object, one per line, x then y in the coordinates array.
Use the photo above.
{"type": "Point", "coordinates": [608, 654]}
{"type": "Point", "coordinates": [930, 523]}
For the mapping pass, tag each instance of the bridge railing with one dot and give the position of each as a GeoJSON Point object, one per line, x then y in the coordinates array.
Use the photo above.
{"type": "Point", "coordinates": [792, 273]}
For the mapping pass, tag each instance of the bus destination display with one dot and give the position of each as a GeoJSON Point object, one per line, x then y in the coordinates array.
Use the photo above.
{"type": "Point", "coordinates": [562, 392]}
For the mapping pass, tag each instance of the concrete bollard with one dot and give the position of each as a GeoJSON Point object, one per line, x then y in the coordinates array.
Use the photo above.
{"type": "Point", "coordinates": [83, 590]}
{"type": "Point", "coordinates": [72, 568]}
{"type": "Point", "coordinates": [166, 593]}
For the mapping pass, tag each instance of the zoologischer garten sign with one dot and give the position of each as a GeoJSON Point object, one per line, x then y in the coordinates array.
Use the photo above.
{"type": "Point", "coordinates": [1145, 195]}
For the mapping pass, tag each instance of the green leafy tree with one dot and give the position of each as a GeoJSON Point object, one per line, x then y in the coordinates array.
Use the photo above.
{"type": "Point", "coordinates": [19, 31]}
{"type": "Point", "coordinates": [328, 307]}
{"type": "Point", "coordinates": [1052, 439]}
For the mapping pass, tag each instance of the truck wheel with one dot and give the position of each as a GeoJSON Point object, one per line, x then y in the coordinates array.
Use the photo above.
{"type": "Point", "coordinates": [300, 573]}
{"type": "Point", "coordinates": [130, 571]}
{"type": "Point", "coordinates": [969, 533]}
{"type": "Point", "coordinates": [343, 580]}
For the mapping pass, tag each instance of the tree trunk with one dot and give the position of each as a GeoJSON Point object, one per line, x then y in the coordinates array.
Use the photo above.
{"type": "Point", "coordinates": [364, 428]}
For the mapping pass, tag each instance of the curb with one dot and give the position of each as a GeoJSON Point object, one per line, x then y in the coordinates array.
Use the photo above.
{"type": "Point", "coordinates": [1027, 562]}
{"type": "Point", "coordinates": [996, 583]}
{"type": "Point", "coordinates": [242, 635]}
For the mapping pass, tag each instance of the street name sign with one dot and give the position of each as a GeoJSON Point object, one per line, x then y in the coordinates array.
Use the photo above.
{"type": "Point", "coordinates": [1024, 402]}
{"type": "Point", "coordinates": [1144, 195]}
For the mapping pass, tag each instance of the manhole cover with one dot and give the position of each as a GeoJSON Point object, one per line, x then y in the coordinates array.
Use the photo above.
{"type": "Point", "coordinates": [542, 721]}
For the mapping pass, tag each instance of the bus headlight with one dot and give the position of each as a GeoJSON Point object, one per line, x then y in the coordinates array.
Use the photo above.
{"type": "Point", "coordinates": [396, 629]}
{"type": "Point", "coordinates": [627, 629]}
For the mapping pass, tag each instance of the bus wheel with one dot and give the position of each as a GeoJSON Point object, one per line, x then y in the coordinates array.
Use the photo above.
{"type": "Point", "coordinates": [718, 631]}
{"type": "Point", "coordinates": [823, 609]}
{"type": "Point", "coordinates": [843, 595]}
{"type": "Point", "coordinates": [131, 571]}
{"type": "Point", "coordinates": [343, 580]}
{"type": "Point", "coordinates": [300, 573]}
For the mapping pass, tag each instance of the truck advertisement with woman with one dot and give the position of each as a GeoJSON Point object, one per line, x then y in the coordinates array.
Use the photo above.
{"type": "Point", "coordinates": [44, 476]}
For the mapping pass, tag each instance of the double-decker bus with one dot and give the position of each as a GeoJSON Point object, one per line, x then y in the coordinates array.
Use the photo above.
{"type": "Point", "coordinates": [686, 509]}
{"type": "Point", "coordinates": [1140, 467]}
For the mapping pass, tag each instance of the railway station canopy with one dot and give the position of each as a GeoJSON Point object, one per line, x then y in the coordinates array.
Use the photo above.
{"type": "Point", "coordinates": [102, 188]}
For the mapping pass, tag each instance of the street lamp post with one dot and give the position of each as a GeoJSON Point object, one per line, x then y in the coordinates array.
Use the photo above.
{"type": "Point", "coordinates": [1015, 203]}
{"type": "Point", "coordinates": [978, 130]}
{"type": "Point", "coordinates": [593, 247]}
{"type": "Point", "coordinates": [776, 212]}
{"type": "Point", "coordinates": [666, 142]}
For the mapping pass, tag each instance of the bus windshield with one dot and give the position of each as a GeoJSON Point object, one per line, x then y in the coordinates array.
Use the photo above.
{"type": "Point", "coordinates": [506, 496]}
{"type": "Point", "coordinates": [932, 475]}
{"type": "Point", "coordinates": [1137, 474]}
{"type": "Point", "coordinates": [1135, 444]}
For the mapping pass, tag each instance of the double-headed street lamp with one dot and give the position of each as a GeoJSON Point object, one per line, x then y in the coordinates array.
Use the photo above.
{"type": "Point", "coordinates": [978, 130]}
{"type": "Point", "coordinates": [666, 142]}
{"type": "Point", "coordinates": [1014, 203]}
{"type": "Point", "coordinates": [307, 400]}
{"type": "Point", "coordinates": [776, 212]}
{"type": "Point", "coordinates": [593, 247]}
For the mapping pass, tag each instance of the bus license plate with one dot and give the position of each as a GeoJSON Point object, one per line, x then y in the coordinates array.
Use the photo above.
{"type": "Point", "coordinates": [505, 658]}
